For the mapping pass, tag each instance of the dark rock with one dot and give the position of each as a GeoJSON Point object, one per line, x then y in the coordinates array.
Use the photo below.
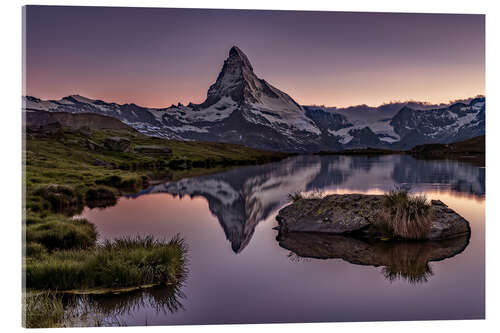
{"type": "Point", "coordinates": [98, 162]}
{"type": "Point", "coordinates": [117, 143]}
{"type": "Point", "coordinates": [153, 150]}
{"type": "Point", "coordinates": [93, 145]}
{"type": "Point", "coordinates": [85, 131]}
{"type": "Point", "coordinates": [357, 213]}
{"type": "Point", "coordinates": [42, 124]}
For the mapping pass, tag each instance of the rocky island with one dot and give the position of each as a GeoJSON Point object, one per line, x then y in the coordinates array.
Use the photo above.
{"type": "Point", "coordinates": [361, 216]}
{"type": "Point", "coordinates": [352, 227]}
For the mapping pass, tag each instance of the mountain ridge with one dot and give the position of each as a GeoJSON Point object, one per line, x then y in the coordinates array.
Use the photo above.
{"type": "Point", "coordinates": [245, 109]}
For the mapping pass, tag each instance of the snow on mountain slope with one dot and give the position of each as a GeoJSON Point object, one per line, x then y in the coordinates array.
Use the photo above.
{"type": "Point", "coordinates": [454, 123]}
{"type": "Point", "coordinates": [239, 108]}
{"type": "Point", "coordinates": [265, 104]}
{"type": "Point", "coordinates": [244, 109]}
{"type": "Point", "coordinates": [406, 127]}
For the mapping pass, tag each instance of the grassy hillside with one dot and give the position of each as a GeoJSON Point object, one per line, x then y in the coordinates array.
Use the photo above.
{"type": "Point", "coordinates": [66, 160]}
{"type": "Point", "coordinates": [471, 146]}
{"type": "Point", "coordinates": [471, 150]}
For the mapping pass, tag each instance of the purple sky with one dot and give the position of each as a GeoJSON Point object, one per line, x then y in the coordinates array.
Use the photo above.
{"type": "Point", "coordinates": [157, 56]}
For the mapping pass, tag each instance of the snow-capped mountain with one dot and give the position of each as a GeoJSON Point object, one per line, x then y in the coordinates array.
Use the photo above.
{"type": "Point", "coordinates": [242, 108]}
{"type": "Point", "coordinates": [384, 127]}
{"type": "Point", "coordinates": [455, 123]}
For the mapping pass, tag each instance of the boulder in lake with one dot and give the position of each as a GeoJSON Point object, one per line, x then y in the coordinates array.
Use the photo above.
{"type": "Point", "coordinates": [360, 215]}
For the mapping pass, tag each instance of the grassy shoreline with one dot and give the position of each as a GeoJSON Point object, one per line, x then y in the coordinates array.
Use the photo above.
{"type": "Point", "coordinates": [469, 151]}
{"type": "Point", "coordinates": [73, 168]}
{"type": "Point", "coordinates": [91, 176]}
{"type": "Point", "coordinates": [119, 265]}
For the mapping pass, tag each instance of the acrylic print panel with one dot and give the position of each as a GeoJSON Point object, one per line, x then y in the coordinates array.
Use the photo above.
{"type": "Point", "coordinates": [196, 166]}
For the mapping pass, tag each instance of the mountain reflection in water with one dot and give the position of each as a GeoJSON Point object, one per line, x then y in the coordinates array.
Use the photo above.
{"type": "Point", "coordinates": [241, 198]}
{"type": "Point", "coordinates": [259, 279]}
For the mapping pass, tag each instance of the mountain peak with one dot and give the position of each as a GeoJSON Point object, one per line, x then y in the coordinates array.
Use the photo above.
{"type": "Point", "coordinates": [235, 80]}
{"type": "Point", "coordinates": [78, 98]}
{"type": "Point", "coordinates": [238, 82]}
{"type": "Point", "coordinates": [239, 58]}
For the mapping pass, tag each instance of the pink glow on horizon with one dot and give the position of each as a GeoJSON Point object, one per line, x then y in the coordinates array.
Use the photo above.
{"type": "Point", "coordinates": [155, 57]}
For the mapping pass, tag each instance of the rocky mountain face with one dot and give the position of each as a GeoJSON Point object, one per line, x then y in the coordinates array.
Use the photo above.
{"type": "Point", "coordinates": [242, 108]}
{"type": "Point", "coordinates": [43, 122]}
{"type": "Point", "coordinates": [455, 123]}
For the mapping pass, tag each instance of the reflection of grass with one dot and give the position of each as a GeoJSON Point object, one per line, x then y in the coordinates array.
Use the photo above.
{"type": "Point", "coordinates": [164, 299]}
{"type": "Point", "coordinates": [42, 310]}
{"type": "Point", "coordinates": [50, 309]}
{"type": "Point", "coordinates": [408, 261]}
{"type": "Point", "coordinates": [408, 216]}
{"type": "Point", "coordinates": [118, 264]}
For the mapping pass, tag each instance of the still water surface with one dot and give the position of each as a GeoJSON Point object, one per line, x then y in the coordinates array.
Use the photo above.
{"type": "Point", "coordinates": [238, 273]}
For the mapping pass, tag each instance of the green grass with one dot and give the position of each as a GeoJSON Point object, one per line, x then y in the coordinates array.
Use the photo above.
{"type": "Point", "coordinates": [62, 175]}
{"type": "Point", "coordinates": [61, 171]}
{"type": "Point", "coordinates": [128, 262]}
{"type": "Point", "coordinates": [58, 232]}
{"type": "Point", "coordinates": [408, 216]}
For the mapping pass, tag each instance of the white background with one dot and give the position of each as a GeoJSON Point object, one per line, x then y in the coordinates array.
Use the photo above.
{"type": "Point", "coordinates": [10, 156]}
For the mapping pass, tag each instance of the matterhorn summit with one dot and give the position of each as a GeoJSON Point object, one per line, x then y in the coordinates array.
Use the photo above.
{"type": "Point", "coordinates": [244, 109]}
{"type": "Point", "coordinates": [238, 81]}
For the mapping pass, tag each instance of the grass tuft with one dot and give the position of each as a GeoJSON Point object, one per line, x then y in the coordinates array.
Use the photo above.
{"type": "Point", "coordinates": [409, 261]}
{"type": "Point", "coordinates": [408, 216]}
{"type": "Point", "coordinates": [101, 197]}
{"type": "Point", "coordinates": [126, 262]}
{"type": "Point", "coordinates": [60, 197]}
{"type": "Point", "coordinates": [298, 195]}
{"type": "Point", "coordinates": [295, 196]}
{"type": "Point", "coordinates": [60, 232]}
